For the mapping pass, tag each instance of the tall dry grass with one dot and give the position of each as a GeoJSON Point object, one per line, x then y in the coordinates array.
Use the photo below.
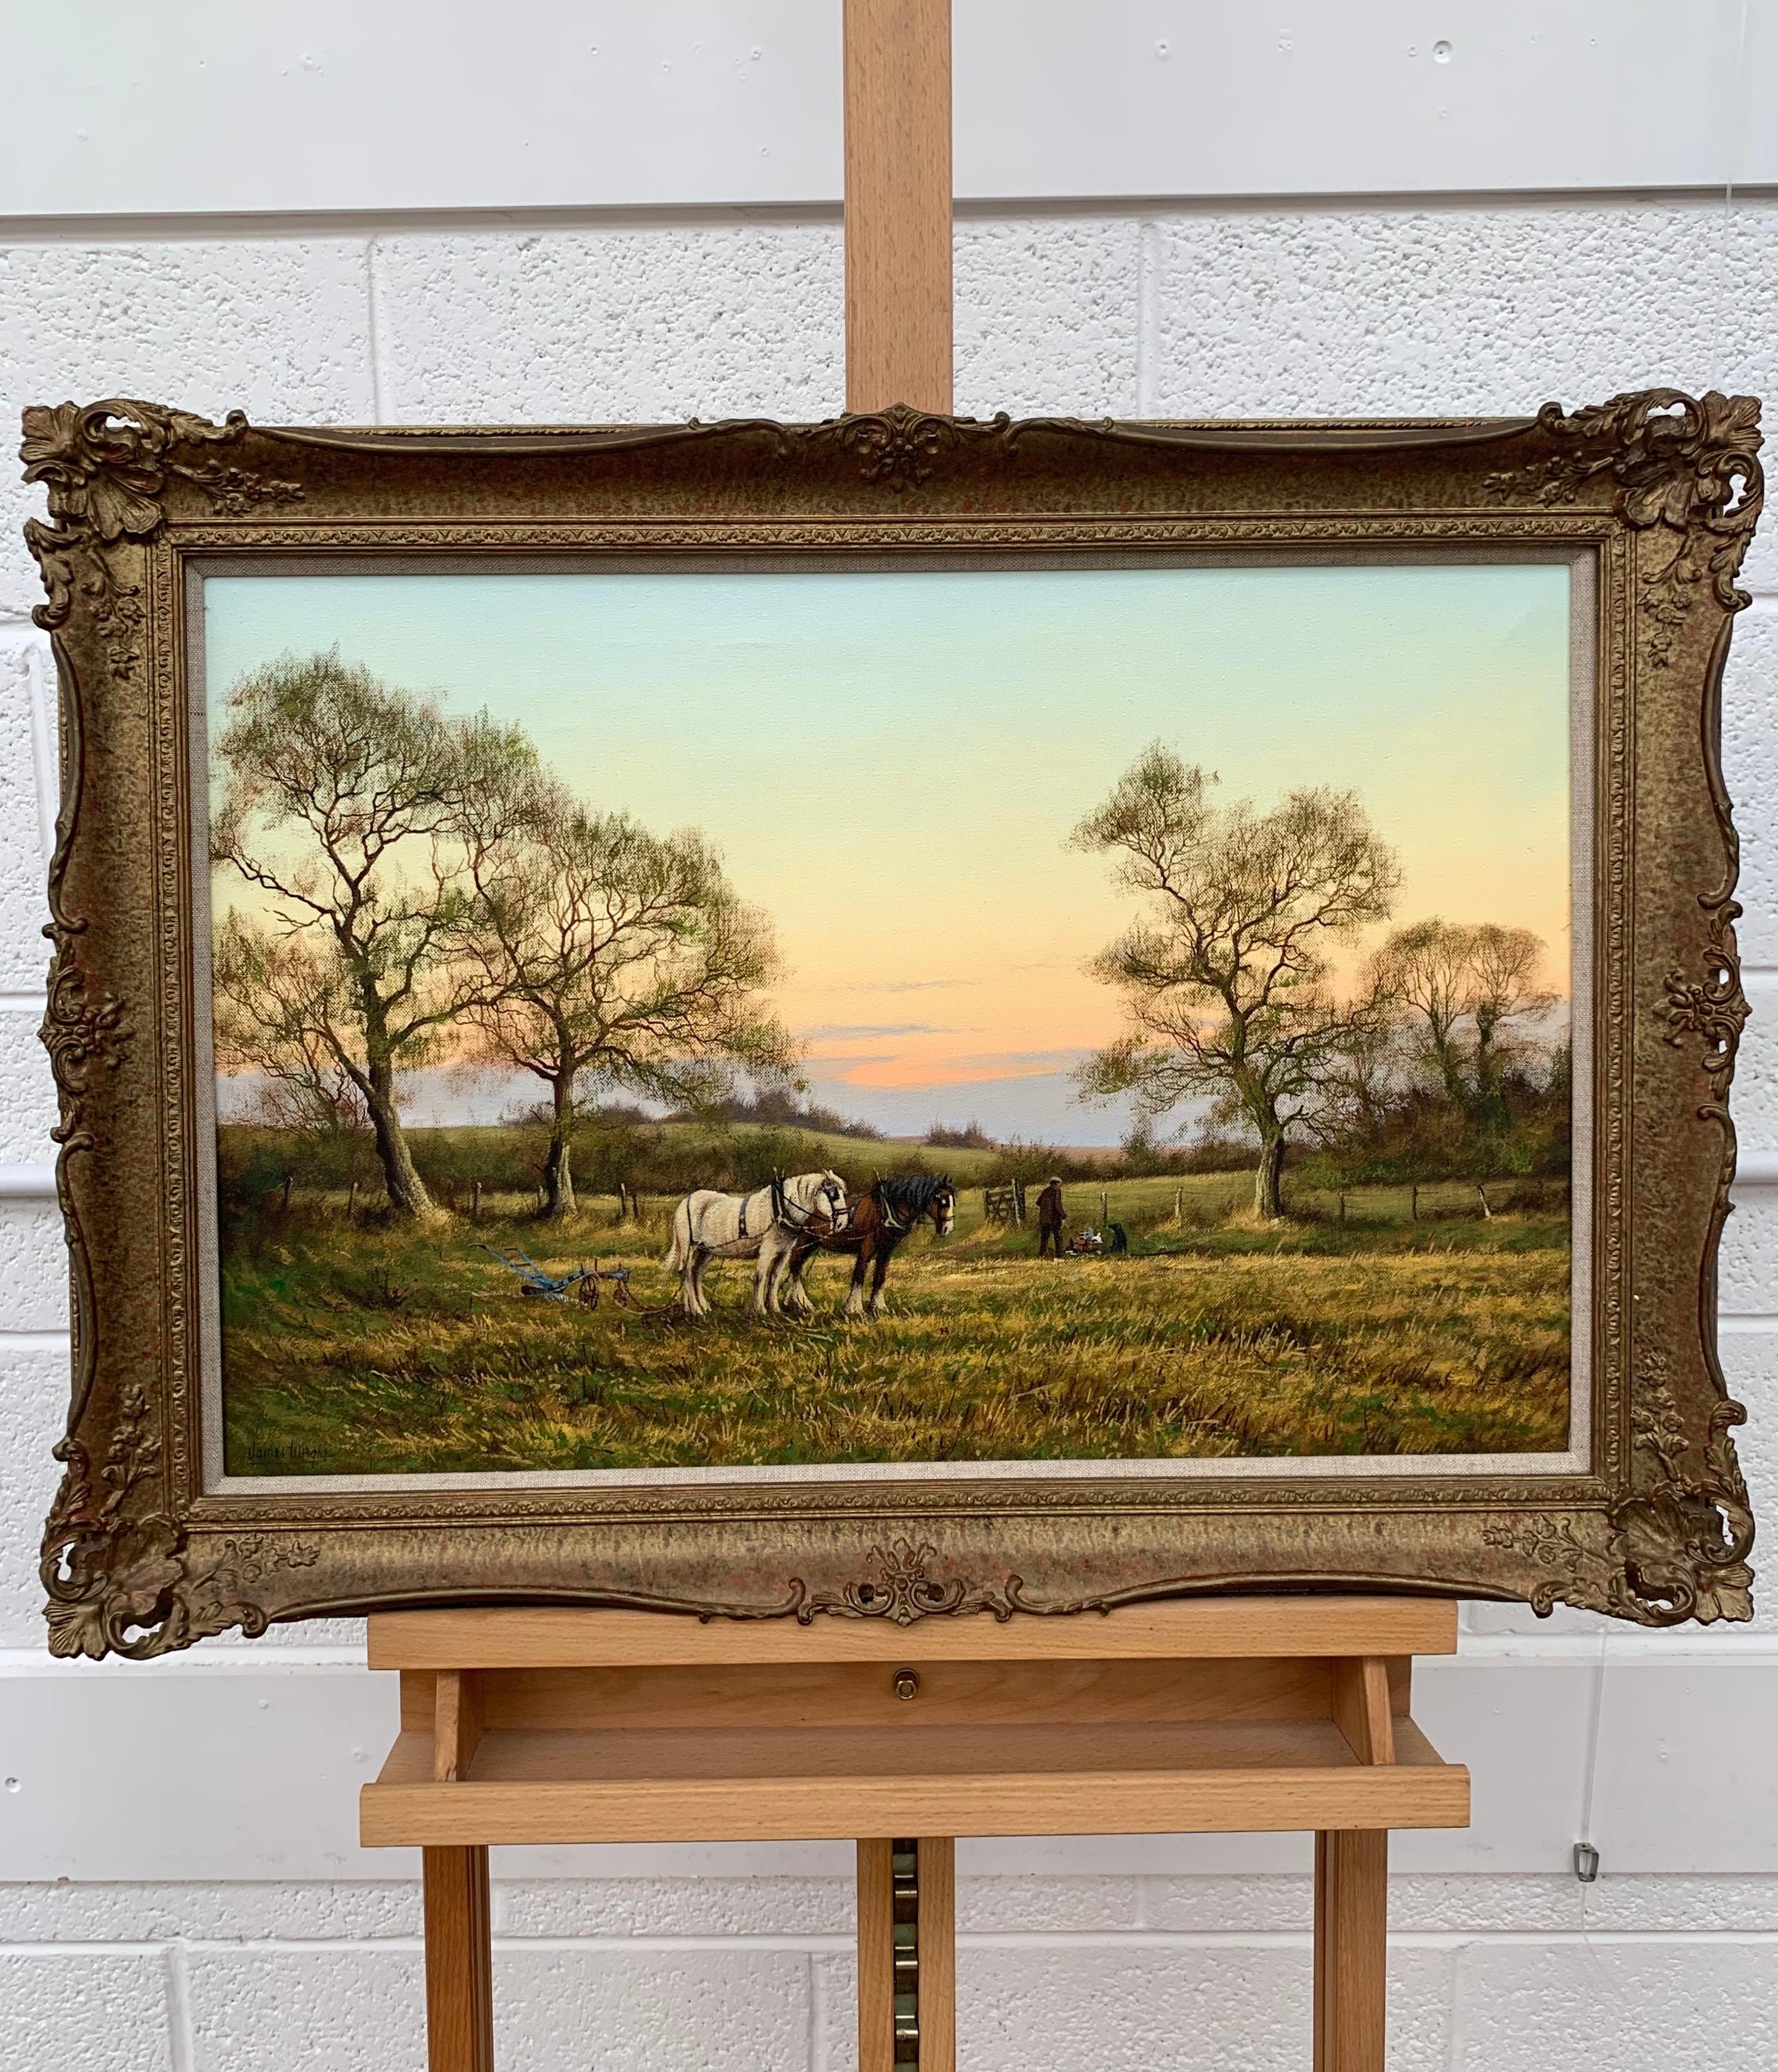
{"type": "Point", "coordinates": [359, 1349]}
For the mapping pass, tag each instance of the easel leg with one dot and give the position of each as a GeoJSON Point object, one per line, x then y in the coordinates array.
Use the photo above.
{"type": "Point", "coordinates": [459, 1962]}
{"type": "Point", "coordinates": [937, 1945]}
{"type": "Point", "coordinates": [1351, 1949]}
{"type": "Point", "coordinates": [907, 1956]}
{"type": "Point", "coordinates": [875, 1957]}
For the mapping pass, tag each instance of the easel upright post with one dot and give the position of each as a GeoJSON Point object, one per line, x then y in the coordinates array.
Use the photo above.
{"type": "Point", "coordinates": [907, 1954]}
{"type": "Point", "coordinates": [899, 350]}
{"type": "Point", "coordinates": [898, 320]}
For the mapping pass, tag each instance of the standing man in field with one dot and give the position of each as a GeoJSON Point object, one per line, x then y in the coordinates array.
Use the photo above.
{"type": "Point", "coordinates": [1051, 1216]}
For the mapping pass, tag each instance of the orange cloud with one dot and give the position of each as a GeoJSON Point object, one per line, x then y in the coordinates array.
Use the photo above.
{"type": "Point", "coordinates": [916, 1070]}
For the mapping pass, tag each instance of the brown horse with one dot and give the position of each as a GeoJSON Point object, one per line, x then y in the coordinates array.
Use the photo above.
{"type": "Point", "coordinates": [875, 1225]}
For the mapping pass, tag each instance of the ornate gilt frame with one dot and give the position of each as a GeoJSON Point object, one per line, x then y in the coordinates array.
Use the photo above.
{"type": "Point", "coordinates": [1663, 489]}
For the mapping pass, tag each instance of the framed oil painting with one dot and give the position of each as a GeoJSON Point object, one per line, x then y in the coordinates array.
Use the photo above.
{"type": "Point", "coordinates": [894, 1017]}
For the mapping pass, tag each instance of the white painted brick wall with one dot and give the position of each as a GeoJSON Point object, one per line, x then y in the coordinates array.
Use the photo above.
{"type": "Point", "coordinates": [180, 1884]}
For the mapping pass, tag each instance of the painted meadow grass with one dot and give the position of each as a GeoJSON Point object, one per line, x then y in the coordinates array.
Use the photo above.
{"type": "Point", "coordinates": [381, 1352]}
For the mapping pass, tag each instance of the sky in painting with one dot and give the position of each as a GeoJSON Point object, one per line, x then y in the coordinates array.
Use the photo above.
{"type": "Point", "coordinates": [891, 763]}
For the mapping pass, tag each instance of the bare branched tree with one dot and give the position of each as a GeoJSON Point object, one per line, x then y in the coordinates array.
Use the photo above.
{"type": "Point", "coordinates": [272, 1014]}
{"type": "Point", "coordinates": [1463, 988]}
{"type": "Point", "coordinates": [1505, 963]}
{"type": "Point", "coordinates": [344, 811]}
{"type": "Point", "coordinates": [1226, 979]}
{"type": "Point", "coordinates": [608, 955]}
{"type": "Point", "coordinates": [1424, 969]}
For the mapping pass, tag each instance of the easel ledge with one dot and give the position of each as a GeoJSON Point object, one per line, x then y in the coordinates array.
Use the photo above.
{"type": "Point", "coordinates": [533, 1724]}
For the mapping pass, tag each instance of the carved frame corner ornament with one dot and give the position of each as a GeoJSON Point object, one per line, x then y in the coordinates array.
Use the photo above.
{"type": "Point", "coordinates": [140, 1557]}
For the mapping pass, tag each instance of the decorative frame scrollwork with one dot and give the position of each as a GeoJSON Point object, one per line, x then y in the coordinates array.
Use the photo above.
{"type": "Point", "coordinates": [140, 1556]}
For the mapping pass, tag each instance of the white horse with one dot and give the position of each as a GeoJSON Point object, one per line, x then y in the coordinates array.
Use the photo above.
{"type": "Point", "coordinates": [764, 1225]}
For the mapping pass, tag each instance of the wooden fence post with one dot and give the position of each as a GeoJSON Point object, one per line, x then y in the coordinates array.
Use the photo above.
{"type": "Point", "coordinates": [1414, 1202]}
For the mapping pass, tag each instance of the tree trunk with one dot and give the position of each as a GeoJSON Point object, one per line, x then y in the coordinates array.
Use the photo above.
{"type": "Point", "coordinates": [559, 1164]}
{"type": "Point", "coordinates": [1268, 1199]}
{"type": "Point", "coordinates": [406, 1191]}
{"type": "Point", "coordinates": [1490, 1104]}
{"type": "Point", "coordinates": [1450, 1070]}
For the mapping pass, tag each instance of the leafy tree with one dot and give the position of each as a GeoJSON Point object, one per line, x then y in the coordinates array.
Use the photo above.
{"type": "Point", "coordinates": [1225, 978]}
{"type": "Point", "coordinates": [603, 954]}
{"type": "Point", "coordinates": [342, 809]}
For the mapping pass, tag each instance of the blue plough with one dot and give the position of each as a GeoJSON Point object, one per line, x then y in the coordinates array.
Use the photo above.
{"type": "Point", "coordinates": [583, 1283]}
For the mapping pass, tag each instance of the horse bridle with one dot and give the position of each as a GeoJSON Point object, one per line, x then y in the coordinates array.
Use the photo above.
{"type": "Point", "coordinates": [782, 1206]}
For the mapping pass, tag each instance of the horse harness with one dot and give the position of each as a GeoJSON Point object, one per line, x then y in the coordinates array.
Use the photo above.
{"type": "Point", "coordinates": [783, 1209]}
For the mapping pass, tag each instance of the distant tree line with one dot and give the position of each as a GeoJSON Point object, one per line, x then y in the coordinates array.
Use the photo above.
{"type": "Point", "coordinates": [776, 1107]}
{"type": "Point", "coordinates": [646, 1156]}
{"type": "Point", "coordinates": [949, 1136]}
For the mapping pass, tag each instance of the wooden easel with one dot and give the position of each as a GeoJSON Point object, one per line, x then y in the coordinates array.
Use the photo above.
{"type": "Point", "coordinates": [1207, 1715]}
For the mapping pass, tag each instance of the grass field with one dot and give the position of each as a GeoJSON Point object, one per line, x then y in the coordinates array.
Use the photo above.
{"type": "Point", "coordinates": [355, 1349]}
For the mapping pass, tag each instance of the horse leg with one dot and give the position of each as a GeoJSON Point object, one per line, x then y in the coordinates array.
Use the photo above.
{"type": "Point", "coordinates": [782, 1261]}
{"type": "Point", "coordinates": [696, 1306]}
{"type": "Point", "coordinates": [771, 1260]}
{"type": "Point", "coordinates": [855, 1295]}
{"type": "Point", "coordinates": [881, 1275]}
{"type": "Point", "coordinates": [793, 1298]}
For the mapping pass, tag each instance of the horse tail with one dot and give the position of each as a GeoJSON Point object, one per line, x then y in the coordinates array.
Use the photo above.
{"type": "Point", "coordinates": [679, 1251]}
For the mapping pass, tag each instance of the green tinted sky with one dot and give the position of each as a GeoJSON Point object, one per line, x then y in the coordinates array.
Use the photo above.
{"type": "Point", "coordinates": [891, 763]}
